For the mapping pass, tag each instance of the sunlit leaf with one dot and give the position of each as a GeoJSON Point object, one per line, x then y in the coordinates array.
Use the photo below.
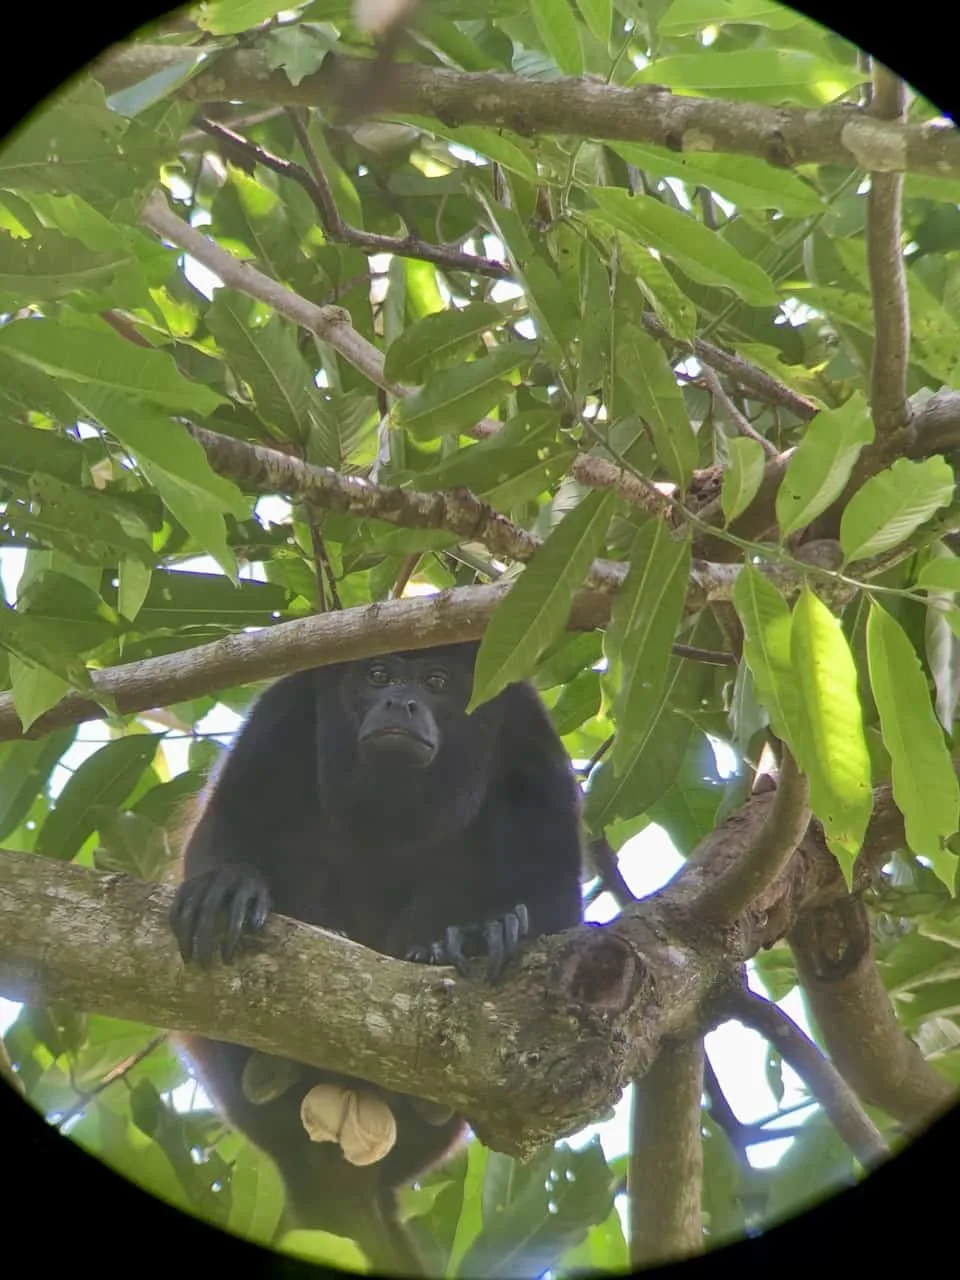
{"type": "Point", "coordinates": [819, 470]}
{"type": "Point", "coordinates": [892, 504]}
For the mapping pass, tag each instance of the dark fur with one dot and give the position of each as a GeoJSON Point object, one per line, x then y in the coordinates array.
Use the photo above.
{"type": "Point", "coordinates": [391, 856]}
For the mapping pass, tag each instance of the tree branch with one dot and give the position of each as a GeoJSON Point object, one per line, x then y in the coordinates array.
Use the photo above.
{"type": "Point", "coordinates": [819, 1075]}
{"type": "Point", "coordinates": [888, 279]}
{"type": "Point", "coordinates": [336, 230]}
{"type": "Point", "coordinates": [727, 897]}
{"type": "Point", "coordinates": [783, 136]}
{"type": "Point", "coordinates": [745, 428]}
{"type": "Point", "coordinates": [665, 1175]}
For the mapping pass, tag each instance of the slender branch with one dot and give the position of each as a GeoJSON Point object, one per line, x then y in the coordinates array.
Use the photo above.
{"type": "Point", "coordinates": [783, 136]}
{"type": "Point", "coordinates": [817, 1072]}
{"type": "Point", "coordinates": [116, 1073]}
{"type": "Point", "coordinates": [712, 657]}
{"type": "Point", "coordinates": [336, 230]}
{"type": "Point", "coordinates": [604, 858]}
{"type": "Point", "coordinates": [665, 1175]}
{"type": "Point", "coordinates": [767, 854]}
{"type": "Point", "coordinates": [330, 324]}
{"type": "Point", "coordinates": [745, 428]}
{"type": "Point", "coordinates": [888, 279]}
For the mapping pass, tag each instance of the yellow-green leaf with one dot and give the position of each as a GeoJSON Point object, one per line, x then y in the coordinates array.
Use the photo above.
{"type": "Point", "coordinates": [892, 504]}
{"type": "Point", "coordinates": [742, 476]}
{"type": "Point", "coordinates": [922, 773]}
{"type": "Point", "coordinates": [820, 468]}
{"type": "Point", "coordinates": [837, 763]}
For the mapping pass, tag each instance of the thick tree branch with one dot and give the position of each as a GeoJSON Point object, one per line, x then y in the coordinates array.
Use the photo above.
{"type": "Point", "coordinates": [665, 1174]}
{"type": "Point", "coordinates": [888, 277]}
{"type": "Point", "coordinates": [819, 1075]}
{"type": "Point", "coordinates": [774, 844]}
{"type": "Point", "coordinates": [833, 951]}
{"type": "Point", "coordinates": [784, 136]}
{"type": "Point", "coordinates": [537, 1057]}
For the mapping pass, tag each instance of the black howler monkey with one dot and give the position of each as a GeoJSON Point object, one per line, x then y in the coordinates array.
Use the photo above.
{"type": "Point", "coordinates": [362, 798]}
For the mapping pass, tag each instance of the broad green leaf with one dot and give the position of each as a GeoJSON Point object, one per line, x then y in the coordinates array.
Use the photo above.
{"type": "Point", "coordinates": [134, 583]}
{"type": "Point", "coordinates": [298, 49]}
{"type": "Point", "coordinates": [555, 309]}
{"type": "Point", "coordinates": [454, 399]}
{"type": "Point", "coordinates": [268, 359]}
{"type": "Point", "coordinates": [495, 144]}
{"type": "Point", "coordinates": [35, 690]}
{"type": "Point", "coordinates": [551, 1215]}
{"type": "Point", "coordinates": [176, 465]}
{"type": "Point", "coordinates": [942, 647]}
{"type": "Point", "coordinates": [27, 450]}
{"type": "Point", "coordinates": [597, 14]}
{"type": "Point", "coordinates": [747, 181]}
{"type": "Point", "coordinates": [755, 75]}
{"type": "Point", "coordinates": [37, 644]}
{"type": "Point", "coordinates": [942, 574]}
{"type": "Point", "coordinates": [685, 17]}
{"type": "Point", "coordinates": [534, 612]}
{"type": "Point", "coordinates": [101, 358]}
{"type": "Point", "coordinates": [580, 700]}
{"type": "Point", "coordinates": [645, 618]}
{"type": "Point", "coordinates": [228, 17]}
{"type": "Point", "coordinates": [643, 365]}
{"type": "Point", "coordinates": [922, 773]}
{"type": "Point", "coordinates": [819, 470]}
{"type": "Point", "coordinates": [51, 265]}
{"type": "Point", "coordinates": [25, 769]}
{"type": "Point", "coordinates": [702, 253]}
{"type": "Point", "coordinates": [767, 628]}
{"type": "Point", "coordinates": [560, 34]}
{"type": "Point", "coordinates": [837, 764]}
{"type": "Point", "coordinates": [104, 779]}
{"type": "Point", "coordinates": [178, 600]}
{"type": "Point", "coordinates": [742, 477]}
{"type": "Point", "coordinates": [89, 517]}
{"type": "Point", "coordinates": [435, 340]}
{"type": "Point", "coordinates": [891, 505]}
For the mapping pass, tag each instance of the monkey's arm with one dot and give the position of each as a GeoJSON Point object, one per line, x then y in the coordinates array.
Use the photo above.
{"type": "Point", "coordinates": [267, 780]}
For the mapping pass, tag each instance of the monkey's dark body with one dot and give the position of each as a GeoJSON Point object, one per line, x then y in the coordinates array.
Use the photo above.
{"type": "Point", "coordinates": [392, 857]}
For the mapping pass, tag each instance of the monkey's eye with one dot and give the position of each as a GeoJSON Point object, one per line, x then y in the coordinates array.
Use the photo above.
{"type": "Point", "coordinates": [378, 675]}
{"type": "Point", "coordinates": [437, 680]}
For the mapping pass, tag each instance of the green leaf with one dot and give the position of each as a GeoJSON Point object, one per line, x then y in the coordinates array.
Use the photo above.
{"type": "Point", "coordinates": [104, 779]}
{"type": "Point", "coordinates": [26, 450]}
{"type": "Point", "coordinates": [746, 181]}
{"type": "Point", "coordinates": [101, 358]}
{"type": "Point", "coordinates": [528, 1237]}
{"type": "Point", "coordinates": [742, 476]}
{"type": "Point", "coordinates": [25, 769]}
{"type": "Point", "coordinates": [560, 34]}
{"type": "Point", "coordinates": [436, 339]}
{"type": "Point", "coordinates": [134, 579]}
{"type": "Point", "coordinates": [646, 615]}
{"type": "Point", "coordinates": [579, 701]}
{"type": "Point", "coordinates": [38, 644]}
{"type": "Point", "coordinates": [454, 399]}
{"type": "Point", "coordinates": [922, 773]}
{"type": "Point", "coordinates": [892, 504]}
{"type": "Point", "coordinates": [493, 143]}
{"type": "Point", "coordinates": [35, 690]}
{"type": "Point", "coordinates": [819, 470]}
{"type": "Point", "coordinates": [767, 628]}
{"type": "Point", "coordinates": [535, 611]}
{"type": "Point", "coordinates": [51, 265]}
{"type": "Point", "coordinates": [837, 764]}
{"type": "Point", "coordinates": [643, 365]}
{"type": "Point", "coordinates": [597, 14]}
{"type": "Point", "coordinates": [702, 253]}
{"type": "Point", "coordinates": [942, 574]}
{"type": "Point", "coordinates": [268, 359]}
{"type": "Point", "coordinates": [228, 17]}
{"type": "Point", "coordinates": [755, 75]}
{"type": "Point", "coordinates": [88, 517]}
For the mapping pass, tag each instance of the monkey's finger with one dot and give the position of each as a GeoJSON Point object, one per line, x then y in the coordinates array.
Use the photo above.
{"type": "Point", "coordinates": [453, 946]}
{"type": "Point", "coordinates": [183, 917]}
{"type": "Point", "coordinates": [493, 932]}
{"type": "Point", "coordinates": [511, 932]}
{"type": "Point", "coordinates": [259, 909]}
{"type": "Point", "coordinates": [523, 916]}
{"type": "Point", "coordinates": [206, 933]}
{"type": "Point", "coordinates": [239, 908]}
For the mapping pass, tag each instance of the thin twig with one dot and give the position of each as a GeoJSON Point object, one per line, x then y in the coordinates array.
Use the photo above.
{"type": "Point", "coordinates": [113, 1075]}
{"type": "Point", "coordinates": [315, 183]}
{"type": "Point", "coordinates": [817, 1072]}
{"type": "Point", "coordinates": [715, 387]}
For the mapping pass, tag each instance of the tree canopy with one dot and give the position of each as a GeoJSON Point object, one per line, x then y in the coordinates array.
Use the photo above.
{"type": "Point", "coordinates": [624, 336]}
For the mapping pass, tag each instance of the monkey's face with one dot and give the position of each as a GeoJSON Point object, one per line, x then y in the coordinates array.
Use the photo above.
{"type": "Point", "coordinates": [406, 705]}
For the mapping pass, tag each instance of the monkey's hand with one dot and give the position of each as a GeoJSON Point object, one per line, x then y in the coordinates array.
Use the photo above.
{"type": "Point", "coordinates": [496, 937]}
{"type": "Point", "coordinates": [212, 910]}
